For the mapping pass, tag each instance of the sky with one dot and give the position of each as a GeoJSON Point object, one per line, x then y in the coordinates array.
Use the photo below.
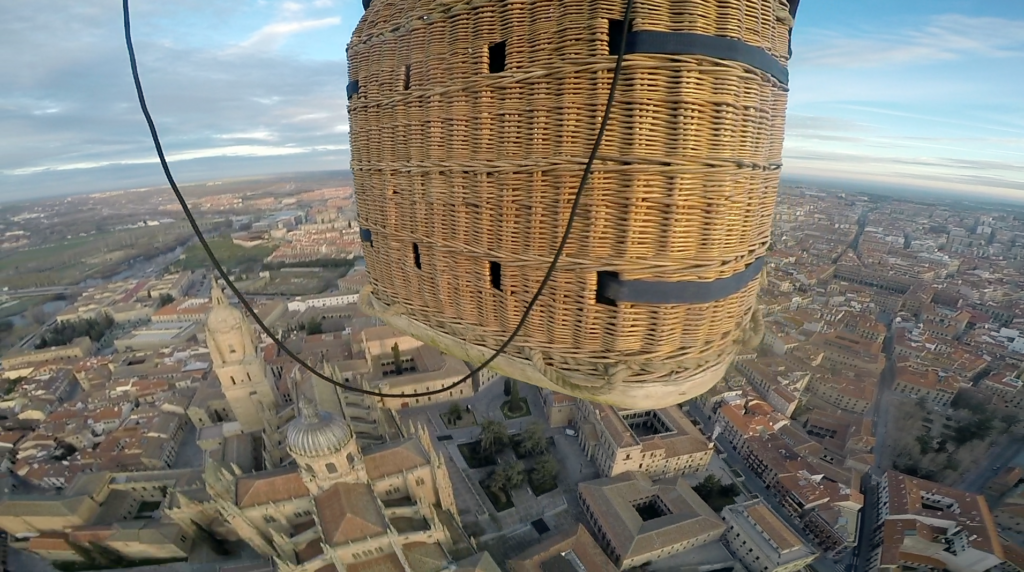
{"type": "Point", "coordinates": [925, 94]}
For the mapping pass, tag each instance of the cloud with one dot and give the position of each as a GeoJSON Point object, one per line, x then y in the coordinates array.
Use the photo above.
{"type": "Point", "coordinates": [932, 118]}
{"type": "Point", "coordinates": [943, 38]}
{"type": "Point", "coordinates": [219, 113]}
{"type": "Point", "coordinates": [190, 155]}
{"type": "Point", "coordinates": [261, 135]}
{"type": "Point", "coordinates": [976, 176]}
{"type": "Point", "coordinates": [271, 36]}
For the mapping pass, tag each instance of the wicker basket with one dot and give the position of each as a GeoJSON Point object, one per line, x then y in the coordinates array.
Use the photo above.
{"type": "Point", "coordinates": [471, 122]}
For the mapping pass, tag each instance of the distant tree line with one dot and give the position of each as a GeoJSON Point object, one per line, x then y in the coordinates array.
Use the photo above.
{"type": "Point", "coordinates": [344, 263]}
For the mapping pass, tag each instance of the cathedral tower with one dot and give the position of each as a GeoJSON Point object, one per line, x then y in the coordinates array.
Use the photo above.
{"type": "Point", "coordinates": [236, 360]}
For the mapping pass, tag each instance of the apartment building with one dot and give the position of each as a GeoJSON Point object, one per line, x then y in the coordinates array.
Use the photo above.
{"type": "Point", "coordinates": [925, 525]}
{"type": "Point", "coordinates": [843, 350]}
{"type": "Point", "coordinates": [761, 541]}
{"type": "Point", "coordinates": [638, 521]}
{"type": "Point", "coordinates": [656, 442]}
{"type": "Point", "coordinates": [848, 390]}
{"type": "Point", "coordinates": [932, 385]}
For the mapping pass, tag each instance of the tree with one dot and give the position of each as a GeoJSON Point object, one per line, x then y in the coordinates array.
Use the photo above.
{"type": "Point", "coordinates": [165, 299]}
{"type": "Point", "coordinates": [969, 401]}
{"type": "Point", "coordinates": [976, 429]}
{"type": "Point", "coordinates": [37, 315]}
{"type": "Point", "coordinates": [505, 478]}
{"type": "Point", "coordinates": [513, 474]}
{"type": "Point", "coordinates": [1009, 419]}
{"type": "Point", "coordinates": [545, 471]}
{"type": "Point", "coordinates": [496, 484]}
{"type": "Point", "coordinates": [493, 437]}
{"type": "Point", "coordinates": [454, 412]}
{"type": "Point", "coordinates": [922, 403]}
{"type": "Point", "coordinates": [730, 490]}
{"type": "Point", "coordinates": [708, 486]}
{"type": "Point", "coordinates": [396, 352]}
{"type": "Point", "coordinates": [925, 443]}
{"type": "Point", "coordinates": [314, 327]}
{"type": "Point", "coordinates": [515, 403]}
{"type": "Point", "coordinates": [533, 441]}
{"type": "Point", "coordinates": [508, 387]}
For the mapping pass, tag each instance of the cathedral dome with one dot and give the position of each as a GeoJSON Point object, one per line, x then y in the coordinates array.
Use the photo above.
{"type": "Point", "coordinates": [316, 433]}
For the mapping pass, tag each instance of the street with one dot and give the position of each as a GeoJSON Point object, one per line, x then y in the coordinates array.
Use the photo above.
{"type": "Point", "coordinates": [880, 408]}
{"type": "Point", "coordinates": [1010, 449]}
{"type": "Point", "coordinates": [754, 484]}
{"type": "Point", "coordinates": [868, 515]}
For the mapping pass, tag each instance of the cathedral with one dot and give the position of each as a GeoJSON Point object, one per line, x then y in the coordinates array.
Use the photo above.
{"type": "Point", "coordinates": [324, 502]}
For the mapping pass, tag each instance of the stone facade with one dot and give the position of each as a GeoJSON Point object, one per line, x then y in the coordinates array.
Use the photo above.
{"type": "Point", "coordinates": [237, 363]}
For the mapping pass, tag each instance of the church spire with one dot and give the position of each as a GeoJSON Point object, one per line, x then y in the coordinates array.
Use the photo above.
{"type": "Point", "coordinates": [216, 294]}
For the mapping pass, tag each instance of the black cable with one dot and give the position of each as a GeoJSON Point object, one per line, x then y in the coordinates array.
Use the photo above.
{"type": "Point", "coordinates": [259, 322]}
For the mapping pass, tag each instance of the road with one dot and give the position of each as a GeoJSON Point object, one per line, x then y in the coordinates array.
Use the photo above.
{"type": "Point", "coordinates": [880, 408]}
{"type": "Point", "coordinates": [862, 221]}
{"type": "Point", "coordinates": [860, 554]}
{"type": "Point", "coordinates": [754, 484]}
{"type": "Point", "coordinates": [1002, 455]}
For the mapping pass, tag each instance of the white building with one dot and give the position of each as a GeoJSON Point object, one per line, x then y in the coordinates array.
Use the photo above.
{"type": "Point", "coordinates": [303, 304]}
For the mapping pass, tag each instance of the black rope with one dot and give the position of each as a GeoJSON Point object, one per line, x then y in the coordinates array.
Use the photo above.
{"type": "Point", "coordinates": [259, 322]}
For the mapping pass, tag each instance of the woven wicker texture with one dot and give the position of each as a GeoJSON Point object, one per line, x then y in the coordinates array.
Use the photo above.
{"type": "Point", "coordinates": [460, 168]}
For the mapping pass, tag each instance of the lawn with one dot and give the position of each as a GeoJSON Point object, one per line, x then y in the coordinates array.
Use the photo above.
{"type": "Point", "coordinates": [468, 420]}
{"type": "Point", "coordinates": [498, 506]}
{"type": "Point", "coordinates": [475, 459]}
{"type": "Point", "coordinates": [31, 256]}
{"type": "Point", "coordinates": [231, 255]}
{"type": "Point", "coordinates": [524, 413]}
{"type": "Point", "coordinates": [14, 309]}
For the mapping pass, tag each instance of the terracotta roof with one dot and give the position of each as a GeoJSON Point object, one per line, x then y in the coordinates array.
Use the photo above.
{"type": "Point", "coordinates": [905, 498]}
{"type": "Point", "coordinates": [394, 457]}
{"type": "Point", "coordinates": [479, 562]}
{"type": "Point", "coordinates": [385, 563]}
{"type": "Point", "coordinates": [348, 511]}
{"type": "Point", "coordinates": [310, 550]}
{"type": "Point", "coordinates": [780, 534]}
{"type": "Point", "coordinates": [423, 556]}
{"type": "Point", "coordinates": [270, 486]}
{"type": "Point", "coordinates": [50, 541]}
{"type": "Point", "coordinates": [577, 540]}
{"type": "Point", "coordinates": [611, 501]}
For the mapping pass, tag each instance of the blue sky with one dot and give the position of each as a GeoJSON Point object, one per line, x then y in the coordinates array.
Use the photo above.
{"type": "Point", "coordinates": [904, 93]}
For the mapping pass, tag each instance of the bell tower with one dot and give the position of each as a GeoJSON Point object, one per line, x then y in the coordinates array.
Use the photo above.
{"type": "Point", "coordinates": [236, 360]}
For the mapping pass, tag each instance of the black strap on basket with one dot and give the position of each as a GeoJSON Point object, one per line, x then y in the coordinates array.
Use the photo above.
{"type": "Point", "coordinates": [691, 44]}
{"type": "Point", "coordinates": [611, 287]}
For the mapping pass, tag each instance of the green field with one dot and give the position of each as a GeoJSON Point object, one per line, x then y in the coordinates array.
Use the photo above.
{"type": "Point", "coordinates": [231, 255]}
{"type": "Point", "coordinates": [32, 257]}
{"type": "Point", "coordinates": [98, 255]}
